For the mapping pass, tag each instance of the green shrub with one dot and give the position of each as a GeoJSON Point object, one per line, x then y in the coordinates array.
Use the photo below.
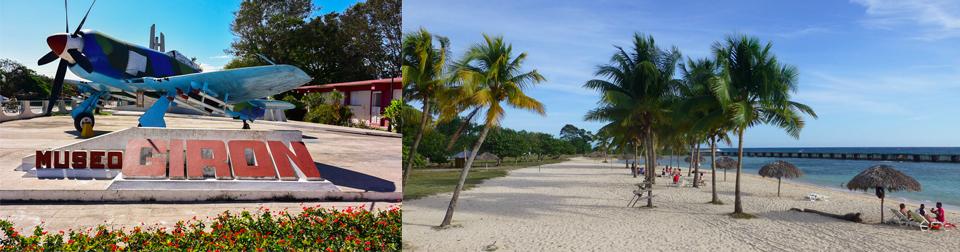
{"type": "Point", "coordinates": [314, 229]}
{"type": "Point", "coordinates": [334, 114]}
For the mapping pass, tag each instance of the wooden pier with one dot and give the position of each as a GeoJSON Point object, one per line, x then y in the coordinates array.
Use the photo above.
{"type": "Point", "coordinates": [941, 158]}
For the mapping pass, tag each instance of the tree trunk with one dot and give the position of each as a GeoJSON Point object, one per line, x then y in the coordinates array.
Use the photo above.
{"type": "Point", "coordinates": [416, 141]}
{"type": "Point", "coordinates": [778, 187]}
{"type": "Point", "coordinates": [626, 161]}
{"type": "Point", "coordinates": [881, 210]}
{"type": "Point", "coordinates": [463, 125]}
{"type": "Point", "coordinates": [690, 164]}
{"type": "Point", "coordinates": [696, 165]}
{"type": "Point", "coordinates": [463, 177]}
{"type": "Point", "coordinates": [737, 205]}
{"type": "Point", "coordinates": [713, 167]}
{"type": "Point", "coordinates": [636, 154]}
{"type": "Point", "coordinates": [652, 149]}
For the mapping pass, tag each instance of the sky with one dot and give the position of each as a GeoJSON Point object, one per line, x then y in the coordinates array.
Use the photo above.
{"type": "Point", "coordinates": [198, 29]}
{"type": "Point", "coordinates": [879, 73]}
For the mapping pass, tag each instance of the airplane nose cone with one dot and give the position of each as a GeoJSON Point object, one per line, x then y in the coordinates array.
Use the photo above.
{"type": "Point", "coordinates": [57, 43]}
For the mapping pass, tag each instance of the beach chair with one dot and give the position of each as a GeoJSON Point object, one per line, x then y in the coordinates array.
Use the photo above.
{"type": "Point", "coordinates": [637, 197]}
{"type": "Point", "coordinates": [921, 222]}
{"type": "Point", "coordinates": [899, 218]}
{"type": "Point", "coordinates": [637, 194]}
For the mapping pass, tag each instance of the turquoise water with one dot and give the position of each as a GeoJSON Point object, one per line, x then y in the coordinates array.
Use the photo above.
{"type": "Point", "coordinates": [939, 181]}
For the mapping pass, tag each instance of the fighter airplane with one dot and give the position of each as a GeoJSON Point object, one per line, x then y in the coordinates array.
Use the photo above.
{"type": "Point", "coordinates": [115, 67]}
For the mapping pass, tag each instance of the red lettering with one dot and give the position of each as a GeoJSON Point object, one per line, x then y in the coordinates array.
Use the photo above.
{"type": "Point", "coordinates": [79, 159]}
{"type": "Point", "coordinates": [96, 159]}
{"type": "Point", "coordinates": [217, 159]}
{"type": "Point", "coordinates": [61, 162]}
{"type": "Point", "coordinates": [150, 152]}
{"type": "Point", "coordinates": [43, 159]}
{"type": "Point", "coordinates": [302, 159]}
{"type": "Point", "coordinates": [261, 167]}
{"type": "Point", "coordinates": [176, 159]}
{"type": "Point", "coordinates": [114, 160]}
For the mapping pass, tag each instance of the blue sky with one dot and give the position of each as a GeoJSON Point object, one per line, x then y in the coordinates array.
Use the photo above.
{"type": "Point", "coordinates": [198, 29]}
{"type": "Point", "coordinates": [878, 72]}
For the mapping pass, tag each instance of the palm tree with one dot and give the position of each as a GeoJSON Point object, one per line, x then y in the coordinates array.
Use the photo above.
{"type": "Point", "coordinates": [636, 88]}
{"type": "Point", "coordinates": [755, 89]}
{"type": "Point", "coordinates": [701, 105]}
{"type": "Point", "coordinates": [494, 75]}
{"type": "Point", "coordinates": [422, 70]}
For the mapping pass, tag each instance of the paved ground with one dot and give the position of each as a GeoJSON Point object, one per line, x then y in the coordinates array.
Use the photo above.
{"type": "Point", "coordinates": [353, 159]}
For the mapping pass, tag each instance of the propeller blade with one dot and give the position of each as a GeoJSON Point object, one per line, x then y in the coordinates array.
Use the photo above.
{"type": "Point", "coordinates": [50, 57]}
{"type": "Point", "coordinates": [80, 59]}
{"type": "Point", "coordinates": [57, 86]}
{"type": "Point", "coordinates": [84, 18]}
{"type": "Point", "coordinates": [66, 14]}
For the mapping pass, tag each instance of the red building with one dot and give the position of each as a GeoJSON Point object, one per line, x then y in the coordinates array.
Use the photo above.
{"type": "Point", "coordinates": [366, 99]}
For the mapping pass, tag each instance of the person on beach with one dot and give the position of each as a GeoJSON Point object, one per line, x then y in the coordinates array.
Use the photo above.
{"type": "Point", "coordinates": [676, 178]}
{"type": "Point", "coordinates": [903, 210]}
{"type": "Point", "coordinates": [922, 211]}
{"type": "Point", "coordinates": [940, 213]}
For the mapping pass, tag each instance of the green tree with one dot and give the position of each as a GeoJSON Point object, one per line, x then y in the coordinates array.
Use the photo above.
{"type": "Point", "coordinates": [710, 120]}
{"type": "Point", "coordinates": [423, 80]}
{"type": "Point", "coordinates": [755, 89]}
{"type": "Point", "coordinates": [20, 82]}
{"type": "Point", "coordinates": [362, 43]}
{"type": "Point", "coordinates": [491, 71]}
{"type": "Point", "coordinates": [636, 91]}
{"type": "Point", "coordinates": [580, 138]}
{"type": "Point", "coordinates": [392, 114]}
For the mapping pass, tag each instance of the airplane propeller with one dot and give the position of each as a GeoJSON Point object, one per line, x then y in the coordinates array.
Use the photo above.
{"type": "Point", "coordinates": [57, 43]}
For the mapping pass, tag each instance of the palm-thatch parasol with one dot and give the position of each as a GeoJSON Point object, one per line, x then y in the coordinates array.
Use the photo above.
{"type": "Point", "coordinates": [883, 178]}
{"type": "Point", "coordinates": [780, 169]}
{"type": "Point", "coordinates": [726, 163]}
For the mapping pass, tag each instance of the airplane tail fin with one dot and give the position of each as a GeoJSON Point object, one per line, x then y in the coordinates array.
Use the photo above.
{"type": "Point", "coordinates": [255, 109]}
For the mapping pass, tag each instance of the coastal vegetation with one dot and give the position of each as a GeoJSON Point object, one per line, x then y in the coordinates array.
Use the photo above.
{"type": "Point", "coordinates": [646, 108]}
{"type": "Point", "coordinates": [488, 78]}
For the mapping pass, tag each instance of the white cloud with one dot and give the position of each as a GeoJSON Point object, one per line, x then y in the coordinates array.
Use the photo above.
{"type": "Point", "coordinates": [225, 56]}
{"type": "Point", "coordinates": [210, 68]}
{"type": "Point", "coordinates": [938, 19]}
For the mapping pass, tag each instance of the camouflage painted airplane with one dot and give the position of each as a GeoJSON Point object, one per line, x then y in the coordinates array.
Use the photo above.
{"type": "Point", "coordinates": [117, 67]}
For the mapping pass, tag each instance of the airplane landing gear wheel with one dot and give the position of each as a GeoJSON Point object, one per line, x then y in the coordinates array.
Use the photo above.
{"type": "Point", "coordinates": [246, 125]}
{"type": "Point", "coordinates": [82, 118]}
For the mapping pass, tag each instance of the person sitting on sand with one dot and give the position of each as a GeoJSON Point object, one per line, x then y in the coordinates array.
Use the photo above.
{"type": "Point", "coordinates": [903, 210]}
{"type": "Point", "coordinates": [941, 215]}
{"type": "Point", "coordinates": [922, 211]}
{"type": "Point", "coordinates": [676, 178]}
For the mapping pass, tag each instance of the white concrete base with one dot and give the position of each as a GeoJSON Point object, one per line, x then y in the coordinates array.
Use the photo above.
{"type": "Point", "coordinates": [221, 185]}
{"type": "Point", "coordinates": [89, 196]}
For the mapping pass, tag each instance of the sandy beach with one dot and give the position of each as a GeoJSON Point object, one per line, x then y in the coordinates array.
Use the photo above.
{"type": "Point", "coordinates": [580, 205]}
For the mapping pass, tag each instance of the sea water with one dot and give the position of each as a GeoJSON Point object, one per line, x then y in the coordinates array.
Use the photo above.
{"type": "Point", "coordinates": [940, 182]}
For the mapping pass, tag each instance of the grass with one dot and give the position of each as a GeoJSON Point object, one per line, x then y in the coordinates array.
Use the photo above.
{"type": "Point", "coordinates": [742, 216]}
{"type": "Point", "coordinates": [424, 183]}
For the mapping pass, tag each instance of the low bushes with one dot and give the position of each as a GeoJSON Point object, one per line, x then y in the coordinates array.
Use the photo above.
{"type": "Point", "coordinates": [353, 229]}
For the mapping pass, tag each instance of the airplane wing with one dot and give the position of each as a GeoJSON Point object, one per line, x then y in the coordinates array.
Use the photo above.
{"type": "Point", "coordinates": [232, 86]}
{"type": "Point", "coordinates": [91, 87]}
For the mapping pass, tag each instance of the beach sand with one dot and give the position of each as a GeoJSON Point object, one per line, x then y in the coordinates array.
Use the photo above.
{"type": "Point", "coordinates": [580, 205]}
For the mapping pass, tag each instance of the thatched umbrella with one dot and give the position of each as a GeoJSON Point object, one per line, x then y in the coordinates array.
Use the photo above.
{"type": "Point", "coordinates": [726, 163]}
{"type": "Point", "coordinates": [780, 169]}
{"type": "Point", "coordinates": [883, 178]}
